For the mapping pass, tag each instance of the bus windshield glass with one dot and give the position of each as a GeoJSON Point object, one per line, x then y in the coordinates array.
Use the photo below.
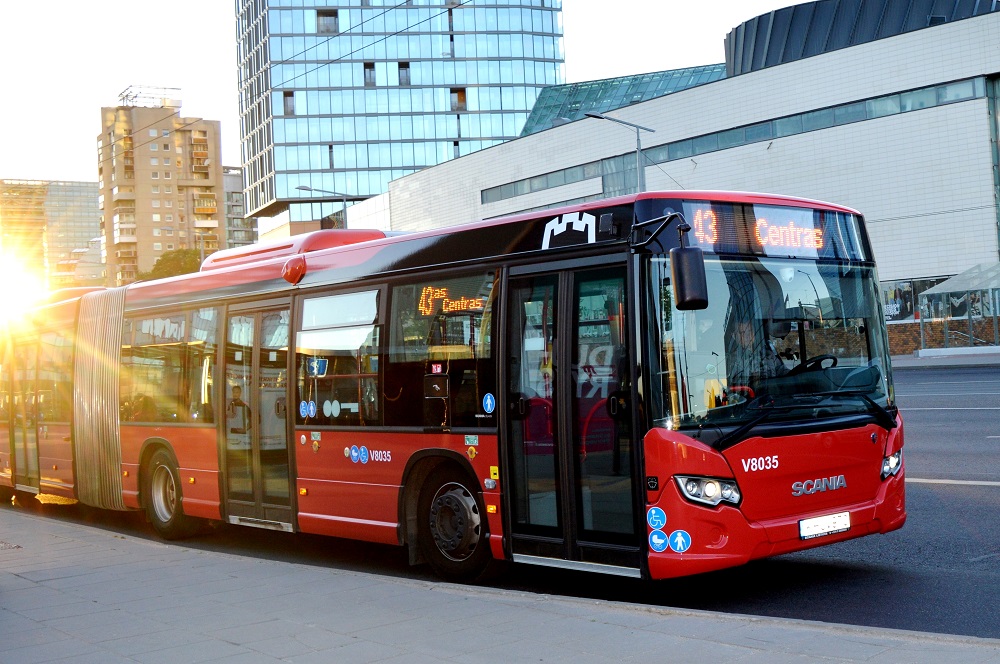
{"type": "Point", "coordinates": [800, 338]}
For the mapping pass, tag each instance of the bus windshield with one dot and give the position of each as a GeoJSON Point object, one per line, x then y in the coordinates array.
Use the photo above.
{"type": "Point", "coordinates": [800, 338]}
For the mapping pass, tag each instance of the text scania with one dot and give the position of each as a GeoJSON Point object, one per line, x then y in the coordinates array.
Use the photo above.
{"type": "Point", "coordinates": [760, 463]}
{"type": "Point", "coordinates": [819, 484]}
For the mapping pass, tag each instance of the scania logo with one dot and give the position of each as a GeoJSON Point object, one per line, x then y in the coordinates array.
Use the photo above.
{"type": "Point", "coordinates": [819, 484]}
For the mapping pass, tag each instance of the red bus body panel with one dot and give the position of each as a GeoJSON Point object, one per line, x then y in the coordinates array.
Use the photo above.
{"type": "Point", "coordinates": [343, 497]}
{"type": "Point", "coordinates": [55, 459]}
{"type": "Point", "coordinates": [766, 522]}
{"type": "Point", "coordinates": [197, 455]}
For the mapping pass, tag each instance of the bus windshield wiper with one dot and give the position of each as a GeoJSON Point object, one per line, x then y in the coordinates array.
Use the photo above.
{"type": "Point", "coordinates": [882, 415]}
{"type": "Point", "coordinates": [764, 403]}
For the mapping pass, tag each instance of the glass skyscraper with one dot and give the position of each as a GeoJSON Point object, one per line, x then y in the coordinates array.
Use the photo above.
{"type": "Point", "coordinates": [337, 98]}
{"type": "Point", "coordinates": [44, 223]}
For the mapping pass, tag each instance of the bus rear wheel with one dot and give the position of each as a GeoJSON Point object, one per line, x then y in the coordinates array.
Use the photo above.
{"type": "Point", "coordinates": [163, 498]}
{"type": "Point", "coordinates": [453, 534]}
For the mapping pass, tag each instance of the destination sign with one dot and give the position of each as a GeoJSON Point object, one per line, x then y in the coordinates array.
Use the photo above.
{"type": "Point", "coordinates": [434, 300]}
{"type": "Point", "coordinates": [769, 230]}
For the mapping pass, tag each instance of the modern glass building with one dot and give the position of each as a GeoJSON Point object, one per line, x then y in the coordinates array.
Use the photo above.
{"type": "Point", "coordinates": [560, 104]}
{"type": "Point", "coordinates": [44, 222]}
{"type": "Point", "coordinates": [338, 97]}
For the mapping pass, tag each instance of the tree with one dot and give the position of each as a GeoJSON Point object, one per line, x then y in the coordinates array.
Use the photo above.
{"type": "Point", "coordinates": [173, 263]}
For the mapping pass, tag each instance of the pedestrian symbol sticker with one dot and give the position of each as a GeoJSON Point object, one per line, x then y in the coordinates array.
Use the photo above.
{"type": "Point", "coordinates": [658, 541]}
{"type": "Point", "coordinates": [680, 541]}
{"type": "Point", "coordinates": [489, 403]}
{"type": "Point", "coordinates": [312, 409]}
{"type": "Point", "coordinates": [656, 518]}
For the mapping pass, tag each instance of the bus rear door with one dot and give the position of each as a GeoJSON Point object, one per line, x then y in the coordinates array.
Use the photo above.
{"type": "Point", "coordinates": [26, 418]}
{"type": "Point", "coordinates": [570, 455]}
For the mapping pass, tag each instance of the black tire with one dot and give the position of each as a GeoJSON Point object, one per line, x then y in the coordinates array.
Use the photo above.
{"type": "Point", "coordinates": [452, 530]}
{"type": "Point", "coordinates": [162, 498]}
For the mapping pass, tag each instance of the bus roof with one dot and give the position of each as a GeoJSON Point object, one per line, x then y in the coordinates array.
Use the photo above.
{"type": "Point", "coordinates": [339, 256]}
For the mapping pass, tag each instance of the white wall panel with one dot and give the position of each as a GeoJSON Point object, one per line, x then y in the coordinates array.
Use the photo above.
{"type": "Point", "coordinates": [923, 179]}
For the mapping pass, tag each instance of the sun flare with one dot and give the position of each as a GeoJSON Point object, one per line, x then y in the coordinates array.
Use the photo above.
{"type": "Point", "coordinates": [25, 289]}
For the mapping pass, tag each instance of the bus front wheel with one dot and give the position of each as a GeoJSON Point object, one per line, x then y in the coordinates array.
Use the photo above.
{"type": "Point", "coordinates": [453, 533]}
{"type": "Point", "coordinates": [163, 498]}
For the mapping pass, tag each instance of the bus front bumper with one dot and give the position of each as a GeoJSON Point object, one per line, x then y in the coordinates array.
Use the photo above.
{"type": "Point", "coordinates": [713, 539]}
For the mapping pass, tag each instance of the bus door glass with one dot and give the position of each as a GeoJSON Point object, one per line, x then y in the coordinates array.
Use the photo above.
{"type": "Point", "coordinates": [570, 448]}
{"type": "Point", "coordinates": [26, 417]}
{"type": "Point", "coordinates": [256, 440]}
{"type": "Point", "coordinates": [6, 413]}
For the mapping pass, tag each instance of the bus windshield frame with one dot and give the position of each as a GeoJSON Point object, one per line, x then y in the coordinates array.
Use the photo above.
{"type": "Point", "coordinates": [784, 339]}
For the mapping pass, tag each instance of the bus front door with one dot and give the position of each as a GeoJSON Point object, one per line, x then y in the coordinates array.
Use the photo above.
{"type": "Point", "coordinates": [257, 470]}
{"type": "Point", "coordinates": [569, 449]}
{"type": "Point", "coordinates": [27, 417]}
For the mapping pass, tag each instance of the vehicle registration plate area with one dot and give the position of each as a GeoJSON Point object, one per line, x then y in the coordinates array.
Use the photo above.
{"type": "Point", "coordinates": [831, 524]}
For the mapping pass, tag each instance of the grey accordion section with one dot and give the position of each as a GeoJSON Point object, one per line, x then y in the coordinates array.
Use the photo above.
{"type": "Point", "coordinates": [95, 404]}
{"type": "Point", "coordinates": [801, 31]}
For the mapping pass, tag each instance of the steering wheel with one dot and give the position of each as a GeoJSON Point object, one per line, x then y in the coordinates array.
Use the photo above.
{"type": "Point", "coordinates": [814, 363]}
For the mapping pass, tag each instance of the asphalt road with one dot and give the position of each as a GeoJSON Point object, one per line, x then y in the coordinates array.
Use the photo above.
{"type": "Point", "coordinates": [940, 573]}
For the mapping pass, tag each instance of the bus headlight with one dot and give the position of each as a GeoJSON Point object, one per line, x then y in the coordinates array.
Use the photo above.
{"type": "Point", "coordinates": [892, 464]}
{"type": "Point", "coordinates": [708, 490]}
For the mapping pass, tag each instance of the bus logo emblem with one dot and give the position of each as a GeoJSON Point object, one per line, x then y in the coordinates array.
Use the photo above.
{"type": "Point", "coordinates": [566, 233]}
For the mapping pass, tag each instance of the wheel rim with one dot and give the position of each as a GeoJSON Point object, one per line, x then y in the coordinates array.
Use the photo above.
{"type": "Point", "coordinates": [164, 493]}
{"type": "Point", "coordinates": [455, 522]}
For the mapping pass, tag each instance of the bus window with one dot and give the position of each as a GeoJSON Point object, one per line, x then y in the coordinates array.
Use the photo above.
{"type": "Point", "coordinates": [55, 385]}
{"type": "Point", "coordinates": [439, 362]}
{"type": "Point", "coordinates": [337, 355]}
{"type": "Point", "coordinates": [201, 349]}
{"type": "Point", "coordinates": [167, 368]}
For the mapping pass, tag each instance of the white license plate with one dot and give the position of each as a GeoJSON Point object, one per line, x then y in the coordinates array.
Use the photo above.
{"type": "Point", "coordinates": [825, 525]}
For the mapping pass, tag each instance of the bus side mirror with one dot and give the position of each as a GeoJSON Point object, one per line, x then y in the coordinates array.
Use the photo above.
{"type": "Point", "coordinates": [687, 267]}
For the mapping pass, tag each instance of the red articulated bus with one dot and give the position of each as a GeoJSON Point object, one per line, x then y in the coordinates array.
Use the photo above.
{"type": "Point", "coordinates": [649, 386]}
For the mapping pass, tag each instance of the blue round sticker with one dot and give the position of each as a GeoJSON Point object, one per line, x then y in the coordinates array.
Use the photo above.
{"type": "Point", "coordinates": [364, 454]}
{"type": "Point", "coordinates": [312, 409]}
{"type": "Point", "coordinates": [489, 403]}
{"type": "Point", "coordinates": [656, 518]}
{"type": "Point", "coordinates": [304, 408]}
{"type": "Point", "coordinates": [657, 541]}
{"type": "Point", "coordinates": [355, 454]}
{"type": "Point", "coordinates": [680, 541]}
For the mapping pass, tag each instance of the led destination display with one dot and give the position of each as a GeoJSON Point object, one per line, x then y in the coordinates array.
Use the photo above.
{"type": "Point", "coordinates": [767, 230]}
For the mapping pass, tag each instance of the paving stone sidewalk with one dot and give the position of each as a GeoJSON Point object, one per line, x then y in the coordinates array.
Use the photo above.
{"type": "Point", "coordinates": [72, 592]}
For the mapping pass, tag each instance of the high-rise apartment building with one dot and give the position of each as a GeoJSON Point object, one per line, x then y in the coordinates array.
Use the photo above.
{"type": "Point", "coordinates": [339, 97]}
{"type": "Point", "coordinates": [161, 182]}
{"type": "Point", "coordinates": [44, 223]}
{"type": "Point", "coordinates": [240, 230]}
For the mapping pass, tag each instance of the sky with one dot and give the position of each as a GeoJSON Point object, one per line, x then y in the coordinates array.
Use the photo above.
{"type": "Point", "coordinates": [63, 60]}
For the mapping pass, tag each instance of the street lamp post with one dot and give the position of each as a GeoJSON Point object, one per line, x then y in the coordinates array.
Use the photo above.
{"type": "Point", "coordinates": [640, 172]}
{"type": "Point", "coordinates": [342, 197]}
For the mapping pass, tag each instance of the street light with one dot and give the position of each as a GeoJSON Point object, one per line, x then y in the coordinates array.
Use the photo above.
{"type": "Point", "coordinates": [343, 198]}
{"type": "Point", "coordinates": [640, 172]}
{"type": "Point", "coordinates": [819, 307]}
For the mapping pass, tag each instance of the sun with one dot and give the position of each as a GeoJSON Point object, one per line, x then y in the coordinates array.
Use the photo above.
{"type": "Point", "coordinates": [24, 289]}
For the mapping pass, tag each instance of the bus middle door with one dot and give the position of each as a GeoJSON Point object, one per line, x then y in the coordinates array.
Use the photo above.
{"type": "Point", "coordinates": [255, 439]}
{"type": "Point", "coordinates": [570, 456]}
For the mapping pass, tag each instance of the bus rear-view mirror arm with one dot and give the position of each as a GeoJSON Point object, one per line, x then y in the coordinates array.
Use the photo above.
{"type": "Point", "coordinates": [687, 264]}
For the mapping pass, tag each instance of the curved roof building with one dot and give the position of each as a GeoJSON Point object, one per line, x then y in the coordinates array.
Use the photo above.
{"type": "Point", "coordinates": [805, 30]}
